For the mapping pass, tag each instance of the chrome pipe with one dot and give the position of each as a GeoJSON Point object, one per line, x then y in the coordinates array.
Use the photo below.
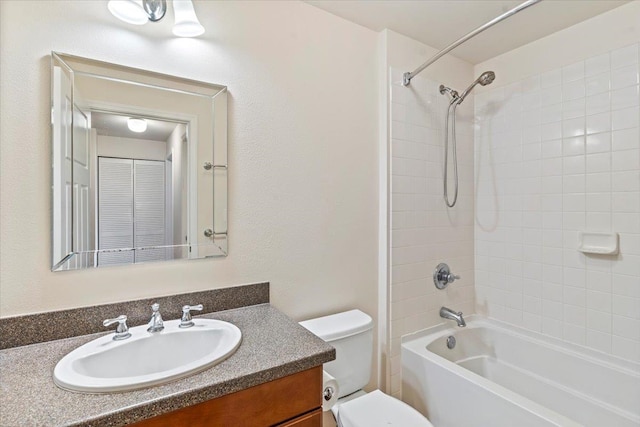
{"type": "Point", "coordinates": [406, 77]}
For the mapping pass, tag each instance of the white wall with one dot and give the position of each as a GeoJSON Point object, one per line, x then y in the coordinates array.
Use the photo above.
{"type": "Point", "coordinates": [131, 148]}
{"type": "Point", "coordinates": [424, 232]}
{"type": "Point", "coordinates": [302, 152]}
{"type": "Point", "coordinates": [558, 152]}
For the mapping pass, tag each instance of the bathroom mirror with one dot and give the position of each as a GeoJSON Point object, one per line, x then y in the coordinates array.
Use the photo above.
{"type": "Point", "coordinates": [139, 165]}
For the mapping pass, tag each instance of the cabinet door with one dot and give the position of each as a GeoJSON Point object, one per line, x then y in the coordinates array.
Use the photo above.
{"type": "Point", "coordinates": [313, 419]}
{"type": "Point", "coordinates": [264, 405]}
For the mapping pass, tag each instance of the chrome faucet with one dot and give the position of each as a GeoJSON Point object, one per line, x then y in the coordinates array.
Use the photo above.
{"type": "Point", "coordinates": [447, 313]}
{"type": "Point", "coordinates": [155, 324]}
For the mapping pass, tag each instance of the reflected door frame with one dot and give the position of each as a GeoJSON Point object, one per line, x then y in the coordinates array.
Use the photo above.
{"type": "Point", "coordinates": [191, 124]}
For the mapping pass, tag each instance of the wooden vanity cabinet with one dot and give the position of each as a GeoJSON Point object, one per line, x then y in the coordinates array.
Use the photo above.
{"type": "Point", "coordinates": [292, 401]}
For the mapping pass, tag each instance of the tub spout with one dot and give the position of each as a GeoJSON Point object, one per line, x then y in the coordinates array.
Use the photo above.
{"type": "Point", "coordinates": [447, 313]}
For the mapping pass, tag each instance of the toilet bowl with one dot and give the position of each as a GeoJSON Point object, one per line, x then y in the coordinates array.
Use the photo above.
{"type": "Point", "coordinates": [378, 409]}
{"type": "Point", "coordinates": [351, 333]}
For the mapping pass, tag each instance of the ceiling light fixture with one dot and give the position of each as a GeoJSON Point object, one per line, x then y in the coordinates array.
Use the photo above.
{"type": "Point", "coordinates": [187, 24]}
{"type": "Point", "coordinates": [136, 124]}
{"type": "Point", "coordinates": [129, 11]}
{"type": "Point", "coordinates": [155, 9]}
{"type": "Point", "coordinates": [139, 12]}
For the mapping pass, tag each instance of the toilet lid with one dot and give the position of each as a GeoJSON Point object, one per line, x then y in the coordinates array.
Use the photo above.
{"type": "Point", "coordinates": [377, 409]}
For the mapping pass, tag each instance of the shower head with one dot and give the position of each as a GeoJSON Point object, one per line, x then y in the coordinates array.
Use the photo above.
{"type": "Point", "coordinates": [485, 78]}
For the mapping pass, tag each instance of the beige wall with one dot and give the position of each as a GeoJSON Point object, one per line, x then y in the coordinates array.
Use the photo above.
{"type": "Point", "coordinates": [302, 152]}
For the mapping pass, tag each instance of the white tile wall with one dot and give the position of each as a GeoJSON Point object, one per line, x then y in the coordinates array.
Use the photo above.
{"type": "Point", "coordinates": [555, 154]}
{"type": "Point", "coordinates": [424, 232]}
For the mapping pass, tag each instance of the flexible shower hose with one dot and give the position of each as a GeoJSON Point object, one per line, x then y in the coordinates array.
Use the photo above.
{"type": "Point", "coordinates": [451, 111]}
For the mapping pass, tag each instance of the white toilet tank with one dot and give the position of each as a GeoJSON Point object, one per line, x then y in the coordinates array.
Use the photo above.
{"type": "Point", "coordinates": [351, 333]}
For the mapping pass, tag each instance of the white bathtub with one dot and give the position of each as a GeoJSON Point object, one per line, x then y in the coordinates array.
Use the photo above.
{"type": "Point", "coordinates": [498, 375]}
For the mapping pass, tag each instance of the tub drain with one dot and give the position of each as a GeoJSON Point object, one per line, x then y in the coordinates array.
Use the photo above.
{"type": "Point", "coordinates": [451, 341]}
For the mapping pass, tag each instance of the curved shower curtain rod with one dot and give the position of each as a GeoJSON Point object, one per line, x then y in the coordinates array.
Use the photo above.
{"type": "Point", "coordinates": [406, 77]}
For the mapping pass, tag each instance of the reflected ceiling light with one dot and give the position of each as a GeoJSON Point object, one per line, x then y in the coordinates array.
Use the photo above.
{"type": "Point", "coordinates": [187, 24]}
{"type": "Point", "coordinates": [136, 125]}
{"type": "Point", "coordinates": [129, 11]}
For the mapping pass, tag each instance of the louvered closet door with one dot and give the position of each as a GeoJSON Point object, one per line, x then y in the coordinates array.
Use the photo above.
{"type": "Point", "coordinates": [149, 201]}
{"type": "Point", "coordinates": [115, 210]}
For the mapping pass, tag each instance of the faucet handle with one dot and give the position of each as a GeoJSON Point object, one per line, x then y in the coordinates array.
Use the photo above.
{"type": "Point", "coordinates": [122, 331]}
{"type": "Point", "coordinates": [442, 276]}
{"type": "Point", "coordinates": [185, 321]}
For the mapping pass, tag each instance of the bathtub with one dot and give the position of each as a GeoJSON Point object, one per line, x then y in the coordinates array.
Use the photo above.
{"type": "Point", "coordinates": [499, 375]}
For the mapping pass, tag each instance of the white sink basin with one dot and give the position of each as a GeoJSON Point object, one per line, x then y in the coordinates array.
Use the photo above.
{"type": "Point", "coordinates": [145, 359]}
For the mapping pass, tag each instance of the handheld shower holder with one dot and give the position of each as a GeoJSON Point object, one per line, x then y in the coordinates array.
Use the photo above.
{"type": "Point", "coordinates": [456, 99]}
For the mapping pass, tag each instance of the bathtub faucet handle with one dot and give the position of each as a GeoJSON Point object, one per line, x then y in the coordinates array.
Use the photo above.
{"type": "Point", "coordinates": [442, 276]}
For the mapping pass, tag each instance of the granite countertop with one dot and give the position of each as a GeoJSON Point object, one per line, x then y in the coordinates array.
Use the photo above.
{"type": "Point", "coordinates": [273, 346]}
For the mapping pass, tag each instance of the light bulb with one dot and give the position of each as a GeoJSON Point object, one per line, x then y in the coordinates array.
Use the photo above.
{"type": "Point", "coordinates": [129, 11]}
{"type": "Point", "coordinates": [137, 125]}
{"type": "Point", "coordinates": [187, 24]}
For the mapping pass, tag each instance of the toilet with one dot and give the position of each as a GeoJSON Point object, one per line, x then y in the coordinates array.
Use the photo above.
{"type": "Point", "coordinates": [351, 333]}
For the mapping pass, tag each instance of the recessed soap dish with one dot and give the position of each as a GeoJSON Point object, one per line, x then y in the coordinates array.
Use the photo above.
{"type": "Point", "coordinates": [599, 243]}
